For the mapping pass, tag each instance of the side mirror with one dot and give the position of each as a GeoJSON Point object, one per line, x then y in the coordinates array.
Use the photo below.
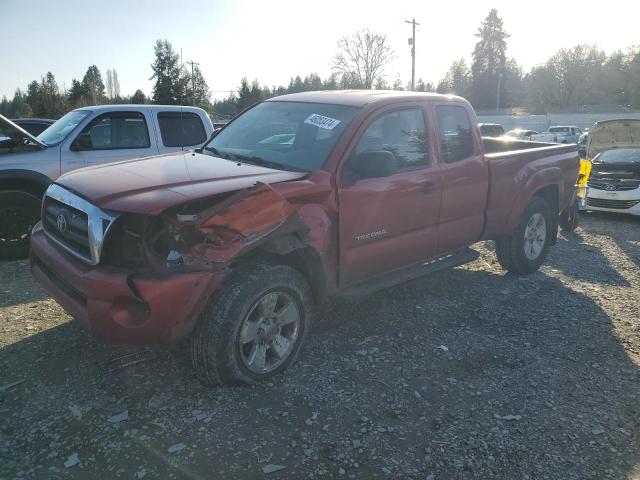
{"type": "Point", "coordinates": [373, 164]}
{"type": "Point", "coordinates": [82, 142]}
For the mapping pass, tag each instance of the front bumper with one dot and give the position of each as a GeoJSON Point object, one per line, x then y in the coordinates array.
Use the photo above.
{"type": "Point", "coordinates": [625, 201]}
{"type": "Point", "coordinates": [119, 306]}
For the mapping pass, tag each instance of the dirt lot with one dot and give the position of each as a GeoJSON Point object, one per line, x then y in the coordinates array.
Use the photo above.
{"type": "Point", "coordinates": [469, 373]}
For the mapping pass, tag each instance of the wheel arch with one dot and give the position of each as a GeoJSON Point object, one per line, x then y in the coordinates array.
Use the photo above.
{"type": "Point", "coordinates": [28, 181]}
{"type": "Point", "coordinates": [543, 184]}
{"type": "Point", "coordinates": [289, 250]}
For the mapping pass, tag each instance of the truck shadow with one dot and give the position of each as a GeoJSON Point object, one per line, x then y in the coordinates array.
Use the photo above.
{"type": "Point", "coordinates": [473, 343]}
{"type": "Point", "coordinates": [527, 345]}
{"type": "Point", "coordinates": [17, 286]}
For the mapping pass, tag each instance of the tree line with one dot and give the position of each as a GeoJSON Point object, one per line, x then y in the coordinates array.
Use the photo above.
{"type": "Point", "coordinates": [569, 79]}
{"type": "Point", "coordinates": [174, 85]}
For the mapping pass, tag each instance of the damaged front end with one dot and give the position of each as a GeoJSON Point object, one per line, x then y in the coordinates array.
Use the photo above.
{"type": "Point", "coordinates": [157, 272]}
{"type": "Point", "coordinates": [205, 237]}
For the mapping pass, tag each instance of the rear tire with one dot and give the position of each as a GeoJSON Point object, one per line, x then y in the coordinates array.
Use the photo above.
{"type": "Point", "coordinates": [525, 250]}
{"type": "Point", "coordinates": [568, 220]}
{"type": "Point", "coordinates": [254, 326]}
{"type": "Point", "coordinates": [19, 212]}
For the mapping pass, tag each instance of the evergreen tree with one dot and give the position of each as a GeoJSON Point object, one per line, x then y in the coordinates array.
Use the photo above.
{"type": "Point", "coordinates": [77, 95]}
{"type": "Point", "coordinates": [296, 85]}
{"type": "Point", "coordinates": [34, 99]}
{"type": "Point", "coordinates": [489, 61]}
{"type": "Point", "coordinates": [248, 94]}
{"type": "Point", "coordinates": [457, 80]}
{"type": "Point", "coordinates": [54, 104]}
{"type": "Point", "coordinates": [94, 86]}
{"type": "Point", "coordinates": [170, 82]}
{"type": "Point", "coordinates": [138, 97]}
{"type": "Point", "coordinates": [200, 96]}
{"type": "Point", "coordinates": [5, 107]}
{"type": "Point", "coordinates": [331, 83]}
{"type": "Point", "coordinates": [19, 107]}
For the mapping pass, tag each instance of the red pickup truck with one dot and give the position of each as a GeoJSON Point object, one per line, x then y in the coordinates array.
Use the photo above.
{"type": "Point", "coordinates": [299, 197]}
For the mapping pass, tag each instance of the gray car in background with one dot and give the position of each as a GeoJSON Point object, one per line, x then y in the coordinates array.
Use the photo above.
{"type": "Point", "coordinates": [83, 137]}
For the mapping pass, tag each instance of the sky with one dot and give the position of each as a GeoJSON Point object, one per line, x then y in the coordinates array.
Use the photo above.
{"type": "Point", "coordinates": [273, 40]}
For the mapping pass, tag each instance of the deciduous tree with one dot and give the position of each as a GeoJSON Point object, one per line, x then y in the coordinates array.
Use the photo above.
{"type": "Point", "coordinates": [364, 56]}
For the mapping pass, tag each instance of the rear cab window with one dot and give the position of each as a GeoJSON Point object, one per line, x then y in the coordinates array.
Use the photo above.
{"type": "Point", "coordinates": [456, 134]}
{"type": "Point", "coordinates": [181, 129]}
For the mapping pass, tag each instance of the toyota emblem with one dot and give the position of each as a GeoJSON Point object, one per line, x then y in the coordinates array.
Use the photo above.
{"type": "Point", "coordinates": [610, 187]}
{"type": "Point", "coordinates": [61, 222]}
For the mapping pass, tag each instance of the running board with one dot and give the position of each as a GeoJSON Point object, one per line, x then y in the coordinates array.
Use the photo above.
{"type": "Point", "coordinates": [401, 276]}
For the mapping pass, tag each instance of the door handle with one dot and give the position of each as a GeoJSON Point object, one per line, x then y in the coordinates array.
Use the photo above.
{"type": "Point", "coordinates": [428, 187]}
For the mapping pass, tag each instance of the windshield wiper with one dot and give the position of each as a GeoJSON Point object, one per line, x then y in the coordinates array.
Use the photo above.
{"type": "Point", "coordinates": [216, 152]}
{"type": "Point", "coordinates": [265, 163]}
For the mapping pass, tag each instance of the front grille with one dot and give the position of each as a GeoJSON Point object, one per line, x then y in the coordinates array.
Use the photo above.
{"type": "Point", "coordinates": [68, 225]}
{"type": "Point", "coordinates": [619, 186]}
{"type": "Point", "coordinates": [613, 204]}
{"type": "Point", "coordinates": [75, 224]}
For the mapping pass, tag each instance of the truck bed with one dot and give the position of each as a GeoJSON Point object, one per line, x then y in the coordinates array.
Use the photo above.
{"type": "Point", "coordinates": [517, 167]}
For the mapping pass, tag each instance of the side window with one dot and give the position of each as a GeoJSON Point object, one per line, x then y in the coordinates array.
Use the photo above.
{"type": "Point", "coordinates": [116, 130]}
{"type": "Point", "coordinates": [181, 129]}
{"type": "Point", "coordinates": [400, 132]}
{"type": "Point", "coordinates": [456, 135]}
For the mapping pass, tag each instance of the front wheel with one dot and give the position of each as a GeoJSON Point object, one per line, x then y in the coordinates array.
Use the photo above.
{"type": "Point", "coordinates": [19, 212]}
{"type": "Point", "coordinates": [524, 251]}
{"type": "Point", "coordinates": [254, 326]}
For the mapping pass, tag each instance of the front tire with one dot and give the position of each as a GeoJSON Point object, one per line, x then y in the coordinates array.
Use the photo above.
{"type": "Point", "coordinates": [524, 251]}
{"type": "Point", "coordinates": [254, 326]}
{"type": "Point", "coordinates": [19, 212]}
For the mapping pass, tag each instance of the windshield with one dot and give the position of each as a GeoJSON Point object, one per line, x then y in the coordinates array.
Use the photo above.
{"type": "Point", "coordinates": [62, 127]}
{"type": "Point", "coordinates": [622, 155]}
{"type": "Point", "coordinates": [286, 135]}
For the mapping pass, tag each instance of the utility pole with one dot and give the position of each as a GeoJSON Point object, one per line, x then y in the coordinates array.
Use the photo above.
{"type": "Point", "coordinates": [498, 99]}
{"type": "Point", "coordinates": [412, 42]}
{"type": "Point", "coordinates": [193, 84]}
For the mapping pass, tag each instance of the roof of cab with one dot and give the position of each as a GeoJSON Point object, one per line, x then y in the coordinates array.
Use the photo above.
{"type": "Point", "coordinates": [98, 108]}
{"type": "Point", "coordinates": [358, 98]}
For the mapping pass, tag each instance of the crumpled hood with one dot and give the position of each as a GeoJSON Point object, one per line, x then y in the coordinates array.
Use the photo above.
{"type": "Point", "coordinates": [611, 134]}
{"type": "Point", "coordinates": [153, 184]}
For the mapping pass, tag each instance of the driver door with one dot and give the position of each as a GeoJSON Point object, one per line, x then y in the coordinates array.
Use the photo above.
{"type": "Point", "coordinates": [390, 222]}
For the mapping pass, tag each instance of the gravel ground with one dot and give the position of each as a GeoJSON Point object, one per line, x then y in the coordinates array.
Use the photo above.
{"type": "Point", "coordinates": [468, 373]}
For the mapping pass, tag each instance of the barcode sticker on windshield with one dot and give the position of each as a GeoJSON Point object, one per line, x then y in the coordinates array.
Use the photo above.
{"type": "Point", "coordinates": [320, 121]}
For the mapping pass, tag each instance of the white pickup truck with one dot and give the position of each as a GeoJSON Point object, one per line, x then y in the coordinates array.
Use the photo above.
{"type": "Point", "coordinates": [558, 134]}
{"type": "Point", "coordinates": [83, 137]}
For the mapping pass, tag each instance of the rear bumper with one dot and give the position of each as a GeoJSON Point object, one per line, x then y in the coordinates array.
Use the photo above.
{"type": "Point", "coordinates": [119, 306]}
{"type": "Point", "coordinates": [626, 201]}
